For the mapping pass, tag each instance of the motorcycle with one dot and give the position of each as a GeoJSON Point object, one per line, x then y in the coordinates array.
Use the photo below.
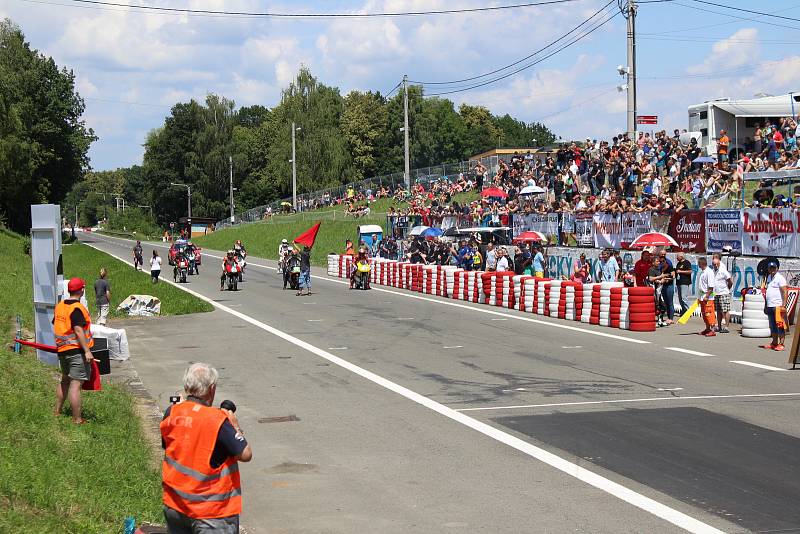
{"type": "Point", "coordinates": [294, 278]}
{"type": "Point", "coordinates": [192, 265]}
{"type": "Point", "coordinates": [232, 274]}
{"type": "Point", "coordinates": [360, 276]}
{"type": "Point", "coordinates": [241, 263]}
{"type": "Point", "coordinates": [181, 270]}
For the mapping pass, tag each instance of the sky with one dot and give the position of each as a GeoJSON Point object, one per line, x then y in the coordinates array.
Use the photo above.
{"type": "Point", "coordinates": [131, 67]}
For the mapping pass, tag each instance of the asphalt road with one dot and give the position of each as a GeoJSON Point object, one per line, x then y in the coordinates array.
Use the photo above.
{"type": "Point", "coordinates": [424, 414]}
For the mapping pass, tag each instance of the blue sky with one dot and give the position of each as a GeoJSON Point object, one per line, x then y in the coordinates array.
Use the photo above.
{"type": "Point", "coordinates": [131, 67]}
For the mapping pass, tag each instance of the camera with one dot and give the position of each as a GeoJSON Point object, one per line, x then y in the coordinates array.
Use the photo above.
{"type": "Point", "coordinates": [174, 399]}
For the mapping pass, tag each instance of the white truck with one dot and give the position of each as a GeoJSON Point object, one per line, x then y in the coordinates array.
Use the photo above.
{"type": "Point", "coordinates": [738, 117]}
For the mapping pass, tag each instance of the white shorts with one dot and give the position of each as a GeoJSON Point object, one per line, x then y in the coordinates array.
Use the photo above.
{"type": "Point", "coordinates": [102, 313]}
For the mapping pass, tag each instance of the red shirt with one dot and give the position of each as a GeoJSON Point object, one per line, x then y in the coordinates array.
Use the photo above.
{"type": "Point", "coordinates": [640, 270]}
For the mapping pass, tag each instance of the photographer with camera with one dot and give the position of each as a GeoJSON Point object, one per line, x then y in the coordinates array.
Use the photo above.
{"type": "Point", "coordinates": [202, 448]}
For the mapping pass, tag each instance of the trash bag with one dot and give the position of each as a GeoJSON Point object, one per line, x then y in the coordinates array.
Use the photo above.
{"type": "Point", "coordinates": [140, 306]}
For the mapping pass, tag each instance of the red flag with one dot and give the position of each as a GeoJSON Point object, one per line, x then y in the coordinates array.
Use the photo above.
{"type": "Point", "coordinates": [308, 237]}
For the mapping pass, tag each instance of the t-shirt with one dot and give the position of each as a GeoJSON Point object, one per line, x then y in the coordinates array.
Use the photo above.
{"type": "Point", "coordinates": [609, 270]}
{"type": "Point", "coordinates": [721, 277]}
{"type": "Point", "coordinates": [774, 285]}
{"type": "Point", "coordinates": [502, 264]}
{"type": "Point", "coordinates": [684, 279]}
{"type": "Point", "coordinates": [705, 282]}
{"type": "Point", "coordinates": [155, 263]}
{"type": "Point", "coordinates": [76, 317]}
{"type": "Point", "coordinates": [654, 270]}
{"type": "Point", "coordinates": [538, 263]}
{"type": "Point", "coordinates": [101, 287]}
{"type": "Point", "coordinates": [640, 270]}
{"type": "Point", "coordinates": [305, 260]}
{"type": "Point", "coordinates": [229, 442]}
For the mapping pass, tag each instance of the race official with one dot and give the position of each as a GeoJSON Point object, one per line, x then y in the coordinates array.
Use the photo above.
{"type": "Point", "coordinates": [705, 292]}
{"type": "Point", "coordinates": [72, 326]}
{"type": "Point", "coordinates": [203, 446]}
{"type": "Point", "coordinates": [722, 293]}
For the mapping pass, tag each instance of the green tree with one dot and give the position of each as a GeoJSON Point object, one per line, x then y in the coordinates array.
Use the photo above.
{"type": "Point", "coordinates": [364, 120]}
{"type": "Point", "coordinates": [43, 141]}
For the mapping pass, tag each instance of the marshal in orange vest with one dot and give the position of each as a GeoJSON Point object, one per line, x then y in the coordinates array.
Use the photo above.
{"type": "Point", "coordinates": [191, 486]}
{"type": "Point", "coordinates": [66, 339]}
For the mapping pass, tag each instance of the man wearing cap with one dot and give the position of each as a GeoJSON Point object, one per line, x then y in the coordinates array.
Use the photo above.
{"type": "Point", "coordinates": [722, 146]}
{"type": "Point", "coordinates": [72, 327]}
{"type": "Point", "coordinates": [776, 305]}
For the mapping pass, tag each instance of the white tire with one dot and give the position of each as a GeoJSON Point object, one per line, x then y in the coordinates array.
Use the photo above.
{"type": "Point", "coordinates": [754, 297]}
{"type": "Point", "coordinates": [756, 324]}
{"type": "Point", "coordinates": [756, 332]}
{"type": "Point", "coordinates": [759, 306]}
{"type": "Point", "coordinates": [753, 314]}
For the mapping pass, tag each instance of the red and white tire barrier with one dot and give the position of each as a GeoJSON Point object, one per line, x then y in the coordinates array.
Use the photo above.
{"type": "Point", "coordinates": [607, 303]}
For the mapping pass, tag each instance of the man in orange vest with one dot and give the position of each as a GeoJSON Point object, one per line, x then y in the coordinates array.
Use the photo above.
{"type": "Point", "coordinates": [202, 448]}
{"type": "Point", "coordinates": [72, 326]}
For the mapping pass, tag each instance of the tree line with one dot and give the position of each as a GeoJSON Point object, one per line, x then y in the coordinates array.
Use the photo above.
{"type": "Point", "coordinates": [44, 145]}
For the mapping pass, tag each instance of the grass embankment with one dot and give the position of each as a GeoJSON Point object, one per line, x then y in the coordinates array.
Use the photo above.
{"type": "Point", "coordinates": [56, 476]}
{"type": "Point", "coordinates": [262, 238]}
{"type": "Point", "coordinates": [85, 262]}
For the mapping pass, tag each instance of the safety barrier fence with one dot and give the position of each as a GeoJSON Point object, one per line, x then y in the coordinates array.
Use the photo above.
{"type": "Point", "coordinates": [606, 304]}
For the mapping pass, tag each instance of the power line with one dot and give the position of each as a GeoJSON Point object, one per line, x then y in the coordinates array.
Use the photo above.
{"type": "Point", "coordinates": [698, 8]}
{"type": "Point", "coordinates": [452, 82]}
{"type": "Point", "coordinates": [525, 67]}
{"type": "Point", "coordinates": [760, 13]}
{"type": "Point", "coordinates": [393, 89]}
{"type": "Point", "coordinates": [183, 11]}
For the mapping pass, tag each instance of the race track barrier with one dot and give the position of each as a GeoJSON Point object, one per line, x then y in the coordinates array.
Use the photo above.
{"type": "Point", "coordinates": [607, 303]}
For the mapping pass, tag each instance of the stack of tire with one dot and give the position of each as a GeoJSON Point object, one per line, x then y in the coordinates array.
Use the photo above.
{"type": "Point", "coordinates": [504, 289]}
{"type": "Point", "coordinates": [333, 265]}
{"type": "Point", "coordinates": [477, 287]}
{"type": "Point", "coordinates": [754, 321]}
{"type": "Point", "coordinates": [573, 298]}
{"type": "Point", "coordinates": [640, 314]}
{"type": "Point", "coordinates": [487, 284]}
{"type": "Point", "coordinates": [528, 303]}
{"type": "Point", "coordinates": [449, 279]}
{"type": "Point", "coordinates": [588, 303]}
{"type": "Point", "coordinates": [615, 312]}
{"type": "Point", "coordinates": [416, 278]}
{"type": "Point", "coordinates": [553, 298]}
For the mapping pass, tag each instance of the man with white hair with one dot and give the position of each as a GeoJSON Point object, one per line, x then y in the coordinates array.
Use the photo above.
{"type": "Point", "coordinates": [202, 447]}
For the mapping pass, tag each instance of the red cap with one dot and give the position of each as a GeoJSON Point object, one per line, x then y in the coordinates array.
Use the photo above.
{"type": "Point", "coordinates": [75, 284]}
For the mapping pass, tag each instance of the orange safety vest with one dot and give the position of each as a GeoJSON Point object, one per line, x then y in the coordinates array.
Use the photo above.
{"type": "Point", "coordinates": [191, 486]}
{"type": "Point", "coordinates": [66, 339]}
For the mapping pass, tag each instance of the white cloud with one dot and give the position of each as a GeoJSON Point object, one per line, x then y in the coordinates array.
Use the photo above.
{"type": "Point", "coordinates": [739, 49]}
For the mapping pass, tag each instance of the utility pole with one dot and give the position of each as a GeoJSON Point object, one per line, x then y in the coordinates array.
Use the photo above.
{"type": "Point", "coordinates": [294, 172]}
{"type": "Point", "coordinates": [629, 12]}
{"type": "Point", "coordinates": [188, 196]}
{"type": "Point", "coordinates": [406, 169]}
{"type": "Point", "coordinates": [230, 165]}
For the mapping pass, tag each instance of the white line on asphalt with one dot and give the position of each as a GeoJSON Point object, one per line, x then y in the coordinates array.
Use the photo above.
{"type": "Point", "coordinates": [759, 365]}
{"type": "Point", "coordinates": [314, 320]}
{"type": "Point", "coordinates": [688, 351]}
{"type": "Point", "coordinates": [622, 401]}
{"type": "Point", "coordinates": [458, 305]}
{"type": "Point", "coordinates": [454, 347]}
{"type": "Point", "coordinates": [405, 318]}
{"type": "Point", "coordinates": [337, 348]}
{"type": "Point", "coordinates": [624, 493]}
{"type": "Point", "coordinates": [572, 347]}
{"type": "Point", "coordinates": [670, 389]}
{"type": "Point", "coordinates": [496, 319]}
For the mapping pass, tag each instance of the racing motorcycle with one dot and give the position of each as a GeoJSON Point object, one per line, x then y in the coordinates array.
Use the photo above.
{"type": "Point", "coordinates": [360, 277]}
{"type": "Point", "coordinates": [232, 275]}
{"type": "Point", "coordinates": [181, 270]}
{"type": "Point", "coordinates": [241, 263]}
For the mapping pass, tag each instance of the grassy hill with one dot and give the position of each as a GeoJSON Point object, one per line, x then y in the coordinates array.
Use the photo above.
{"type": "Point", "coordinates": [262, 238]}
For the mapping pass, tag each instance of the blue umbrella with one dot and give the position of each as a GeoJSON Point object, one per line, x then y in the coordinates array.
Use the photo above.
{"type": "Point", "coordinates": [432, 232]}
{"type": "Point", "coordinates": [704, 159]}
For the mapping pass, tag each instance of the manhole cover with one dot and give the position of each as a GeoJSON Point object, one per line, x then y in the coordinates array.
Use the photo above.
{"type": "Point", "coordinates": [279, 419]}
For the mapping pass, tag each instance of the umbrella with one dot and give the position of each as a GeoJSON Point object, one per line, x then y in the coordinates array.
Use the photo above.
{"type": "Point", "coordinates": [653, 239]}
{"type": "Point", "coordinates": [431, 232]}
{"type": "Point", "coordinates": [531, 236]}
{"type": "Point", "coordinates": [417, 230]}
{"type": "Point", "coordinates": [453, 231]}
{"type": "Point", "coordinates": [704, 159]}
{"type": "Point", "coordinates": [532, 190]}
{"type": "Point", "coordinates": [494, 192]}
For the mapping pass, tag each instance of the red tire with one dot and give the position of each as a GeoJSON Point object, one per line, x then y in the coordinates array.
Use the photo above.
{"type": "Point", "coordinates": [641, 299]}
{"type": "Point", "coordinates": [642, 317]}
{"type": "Point", "coordinates": [613, 323]}
{"type": "Point", "coordinates": [594, 320]}
{"type": "Point", "coordinates": [640, 291]}
{"type": "Point", "coordinates": [643, 308]}
{"type": "Point", "coordinates": [642, 327]}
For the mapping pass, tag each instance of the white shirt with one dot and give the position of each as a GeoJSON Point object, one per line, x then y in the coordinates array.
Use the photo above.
{"type": "Point", "coordinates": [656, 187]}
{"type": "Point", "coordinates": [502, 264]}
{"type": "Point", "coordinates": [774, 285]}
{"type": "Point", "coordinates": [721, 277]}
{"type": "Point", "coordinates": [491, 259]}
{"type": "Point", "coordinates": [155, 263]}
{"type": "Point", "coordinates": [705, 281]}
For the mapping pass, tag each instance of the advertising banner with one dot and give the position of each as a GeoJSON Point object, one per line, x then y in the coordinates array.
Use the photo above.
{"type": "Point", "coordinates": [568, 223]}
{"type": "Point", "coordinates": [547, 223]}
{"type": "Point", "coordinates": [583, 230]}
{"type": "Point", "coordinates": [688, 228]}
{"type": "Point", "coordinates": [769, 232]}
{"type": "Point", "coordinates": [617, 230]}
{"type": "Point", "coordinates": [723, 229]}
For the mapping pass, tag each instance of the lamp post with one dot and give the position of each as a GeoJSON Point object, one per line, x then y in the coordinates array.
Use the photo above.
{"type": "Point", "coordinates": [294, 168]}
{"type": "Point", "coordinates": [188, 196]}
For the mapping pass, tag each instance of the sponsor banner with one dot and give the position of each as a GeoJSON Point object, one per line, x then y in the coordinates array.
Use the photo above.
{"type": "Point", "coordinates": [547, 223]}
{"type": "Point", "coordinates": [723, 229]}
{"type": "Point", "coordinates": [616, 231]}
{"type": "Point", "coordinates": [769, 232]}
{"type": "Point", "coordinates": [568, 223]}
{"type": "Point", "coordinates": [449, 222]}
{"type": "Point", "coordinates": [688, 228]}
{"type": "Point", "coordinates": [583, 230]}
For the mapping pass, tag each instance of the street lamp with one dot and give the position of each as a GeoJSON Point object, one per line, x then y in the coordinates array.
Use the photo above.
{"type": "Point", "coordinates": [146, 206]}
{"type": "Point", "coordinates": [294, 168]}
{"type": "Point", "coordinates": [188, 196]}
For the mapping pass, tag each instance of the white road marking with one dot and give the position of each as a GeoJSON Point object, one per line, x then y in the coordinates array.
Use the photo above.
{"type": "Point", "coordinates": [572, 347]}
{"type": "Point", "coordinates": [454, 347]}
{"type": "Point", "coordinates": [337, 348]}
{"type": "Point", "coordinates": [670, 389]}
{"type": "Point", "coordinates": [622, 401]}
{"type": "Point", "coordinates": [495, 319]}
{"type": "Point", "coordinates": [688, 351]}
{"type": "Point", "coordinates": [405, 318]}
{"type": "Point", "coordinates": [456, 305]}
{"type": "Point", "coordinates": [314, 320]}
{"type": "Point", "coordinates": [616, 489]}
{"type": "Point", "coordinates": [759, 365]}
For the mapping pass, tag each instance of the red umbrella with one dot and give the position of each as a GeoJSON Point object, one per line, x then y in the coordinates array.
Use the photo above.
{"type": "Point", "coordinates": [653, 239]}
{"type": "Point", "coordinates": [531, 236]}
{"type": "Point", "coordinates": [494, 192]}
